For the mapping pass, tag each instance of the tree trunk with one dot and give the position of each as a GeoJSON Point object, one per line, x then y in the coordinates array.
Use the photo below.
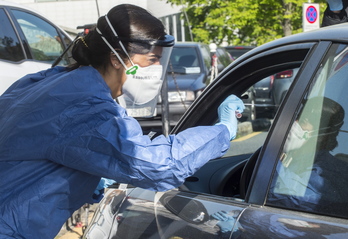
{"type": "Point", "coordinates": [287, 27]}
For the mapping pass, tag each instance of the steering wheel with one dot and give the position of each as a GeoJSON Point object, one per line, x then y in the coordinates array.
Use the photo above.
{"type": "Point", "coordinates": [247, 172]}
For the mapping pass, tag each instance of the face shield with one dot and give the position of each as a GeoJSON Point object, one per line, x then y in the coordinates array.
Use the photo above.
{"type": "Point", "coordinates": [149, 59]}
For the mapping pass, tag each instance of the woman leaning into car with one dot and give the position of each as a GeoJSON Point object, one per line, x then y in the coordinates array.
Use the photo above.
{"type": "Point", "coordinates": [62, 130]}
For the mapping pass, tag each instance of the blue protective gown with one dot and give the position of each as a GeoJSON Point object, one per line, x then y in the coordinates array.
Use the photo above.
{"type": "Point", "coordinates": [61, 131]}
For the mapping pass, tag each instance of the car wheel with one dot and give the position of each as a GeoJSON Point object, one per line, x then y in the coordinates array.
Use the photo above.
{"type": "Point", "coordinates": [252, 115]}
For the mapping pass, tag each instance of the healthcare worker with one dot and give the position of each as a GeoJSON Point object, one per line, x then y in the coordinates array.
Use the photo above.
{"type": "Point", "coordinates": [62, 130]}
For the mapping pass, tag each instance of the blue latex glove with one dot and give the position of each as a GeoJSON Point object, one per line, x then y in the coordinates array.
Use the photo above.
{"type": "Point", "coordinates": [226, 222]}
{"type": "Point", "coordinates": [103, 183]}
{"type": "Point", "coordinates": [335, 5]}
{"type": "Point", "coordinates": [227, 113]}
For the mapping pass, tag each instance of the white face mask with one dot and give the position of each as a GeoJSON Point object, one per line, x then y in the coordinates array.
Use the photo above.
{"type": "Point", "coordinates": [296, 138]}
{"type": "Point", "coordinates": [143, 86]}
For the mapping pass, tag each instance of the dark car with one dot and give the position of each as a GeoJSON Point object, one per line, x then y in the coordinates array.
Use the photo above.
{"type": "Point", "coordinates": [270, 91]}
{"type": "Point", "coordinates": [224, 58]}
{"type": "Point", "coordinates": [287, 179]}
{"type": "Point", "coordinates": [281, 84]}
{"type": "Point", "coordinates": [188, 73]}
{"type": "Point", "coordinates": [264, 98]}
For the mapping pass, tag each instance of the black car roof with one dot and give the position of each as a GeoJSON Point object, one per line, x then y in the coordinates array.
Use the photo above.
{"type": "Point", "coordinates": [333, 33]}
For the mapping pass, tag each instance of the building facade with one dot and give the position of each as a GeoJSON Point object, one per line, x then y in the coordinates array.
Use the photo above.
{"type": "Point", "coordinates": [69, 14]}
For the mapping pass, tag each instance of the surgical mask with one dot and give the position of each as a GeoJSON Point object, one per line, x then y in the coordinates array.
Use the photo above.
{"type": "Point", "coordinates": [296, 138]}
{"type": "Point", "coordinates": [141, 90]}
{"type": "Point", "coordinates": [143, 84]}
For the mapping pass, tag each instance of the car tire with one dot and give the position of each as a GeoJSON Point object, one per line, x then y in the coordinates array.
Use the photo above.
{"type": "Point", "coordinates": [252, 115]}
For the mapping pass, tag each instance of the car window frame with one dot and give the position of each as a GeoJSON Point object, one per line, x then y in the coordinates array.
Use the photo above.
{"type": "Point", "coordinates": [321, 73]}
{"type": "Point", "coordinates": [308, 51]}
{"type": "Point", "coordinates": [213, 96]}
{"type": "Point", "coordinates": [269, 155]}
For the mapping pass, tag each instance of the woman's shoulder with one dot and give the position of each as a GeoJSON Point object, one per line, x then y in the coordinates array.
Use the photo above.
{"type": "Point", "coordinates": [84, 79]}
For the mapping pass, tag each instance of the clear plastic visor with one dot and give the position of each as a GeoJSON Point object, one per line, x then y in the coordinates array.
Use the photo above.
{"type": "Point", "coordinates": [145, 76]}
{"type": "Point", "coordinates": [157, 55]}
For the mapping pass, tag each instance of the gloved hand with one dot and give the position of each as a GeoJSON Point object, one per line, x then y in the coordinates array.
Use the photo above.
{"type": "Point", "coordinates": [226, 222]}
{"type": "Point", "coordinates": [103, 183]}
{"type": "Point", "coordinates": [227, 113]}
{"type": "Point", "coordinates": [335, 5]}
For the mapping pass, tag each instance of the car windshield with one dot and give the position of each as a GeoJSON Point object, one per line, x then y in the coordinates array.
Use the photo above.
{"type": "Point", "coordinates": [184, 60]}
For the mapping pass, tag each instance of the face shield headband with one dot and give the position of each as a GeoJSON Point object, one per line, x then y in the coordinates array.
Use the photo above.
{"type": "Point", "coordinates": [143, 84]}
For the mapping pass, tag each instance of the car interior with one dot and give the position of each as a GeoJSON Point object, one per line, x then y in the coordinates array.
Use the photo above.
{"type": "Point", "coordinates": [230, 175]}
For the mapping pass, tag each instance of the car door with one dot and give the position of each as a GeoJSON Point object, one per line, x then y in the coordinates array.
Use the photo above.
{"type": "Point", "coordinates": [307, 193]}
{"type": "Point", "coordinates": [211, 201]}
{"type": "Point", "coordinates": [308, 59]}
{"type": "Point", "coordinates": [172, 214]}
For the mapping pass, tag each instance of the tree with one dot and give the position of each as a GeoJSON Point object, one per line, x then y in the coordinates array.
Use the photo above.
{"type": "Point", "coordinates": [243, 22]}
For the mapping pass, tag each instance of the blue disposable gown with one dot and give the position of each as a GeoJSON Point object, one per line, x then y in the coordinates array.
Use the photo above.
{"type": "Point", "coordinates": [61, 131]}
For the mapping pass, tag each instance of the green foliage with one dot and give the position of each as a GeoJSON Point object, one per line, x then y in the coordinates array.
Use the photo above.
{"type": "Point", "coordinates": [243, 22]}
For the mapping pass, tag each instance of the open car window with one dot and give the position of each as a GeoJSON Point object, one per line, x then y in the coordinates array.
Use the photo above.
{"type": "Point", "coordinates": [262, 101]}
{"type": "Point", "coordinates": [263, 84]}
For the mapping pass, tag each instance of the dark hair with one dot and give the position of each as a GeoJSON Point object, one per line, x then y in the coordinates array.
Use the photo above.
{"type": "Point", "coordinates": [129, 22]}
{"type": "Point", "coordinates": [331, 120]}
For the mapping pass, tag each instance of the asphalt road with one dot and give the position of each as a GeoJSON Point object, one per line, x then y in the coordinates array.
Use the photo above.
{"type": "Point", "coordinates": [75, 229]}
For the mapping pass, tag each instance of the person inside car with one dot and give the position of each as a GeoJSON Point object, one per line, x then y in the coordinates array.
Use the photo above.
{"type": "Point", "coordinates": [309, 176]}
{"type": "Point", "coordinates": [62, 130]}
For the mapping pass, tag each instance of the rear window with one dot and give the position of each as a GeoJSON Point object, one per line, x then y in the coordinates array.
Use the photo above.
{"type": "Point", "coordinates": [184, 60]}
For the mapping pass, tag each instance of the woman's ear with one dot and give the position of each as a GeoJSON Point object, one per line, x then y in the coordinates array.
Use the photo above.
{"type": "Point", "coordinates": [115, 62]}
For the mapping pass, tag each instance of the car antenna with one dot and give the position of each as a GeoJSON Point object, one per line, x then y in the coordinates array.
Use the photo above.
{"type": "Point", "coordinates": [86, 28]}
{"type": "Point", "coordinates": [56, 62]}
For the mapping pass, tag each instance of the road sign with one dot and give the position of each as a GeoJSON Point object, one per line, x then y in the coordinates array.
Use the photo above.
{"type": "Point", "coordinates": [310, 16]}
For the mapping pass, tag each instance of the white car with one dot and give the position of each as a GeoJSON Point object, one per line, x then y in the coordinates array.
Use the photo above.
{"type": "Point", "coordinates": [28, 43]}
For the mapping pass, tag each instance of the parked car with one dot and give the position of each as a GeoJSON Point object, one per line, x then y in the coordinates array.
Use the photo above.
{"type": "Point", "coordinates": [281, 84]}
{"type": "Point", "coordinates": [264, 101]}
{"type": "Point", "coordinates": [260, 188]}
{"type": "Point", "coordinates": [189, 72]}
{"type": "Point", "coordinates": [28, 43]}
{"type": "Point", "coordinates": [237, 51]}
{"type": "Point", "coordinates": [270, 91]}
{"type": "Point", "coordinates": [224, 58]}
